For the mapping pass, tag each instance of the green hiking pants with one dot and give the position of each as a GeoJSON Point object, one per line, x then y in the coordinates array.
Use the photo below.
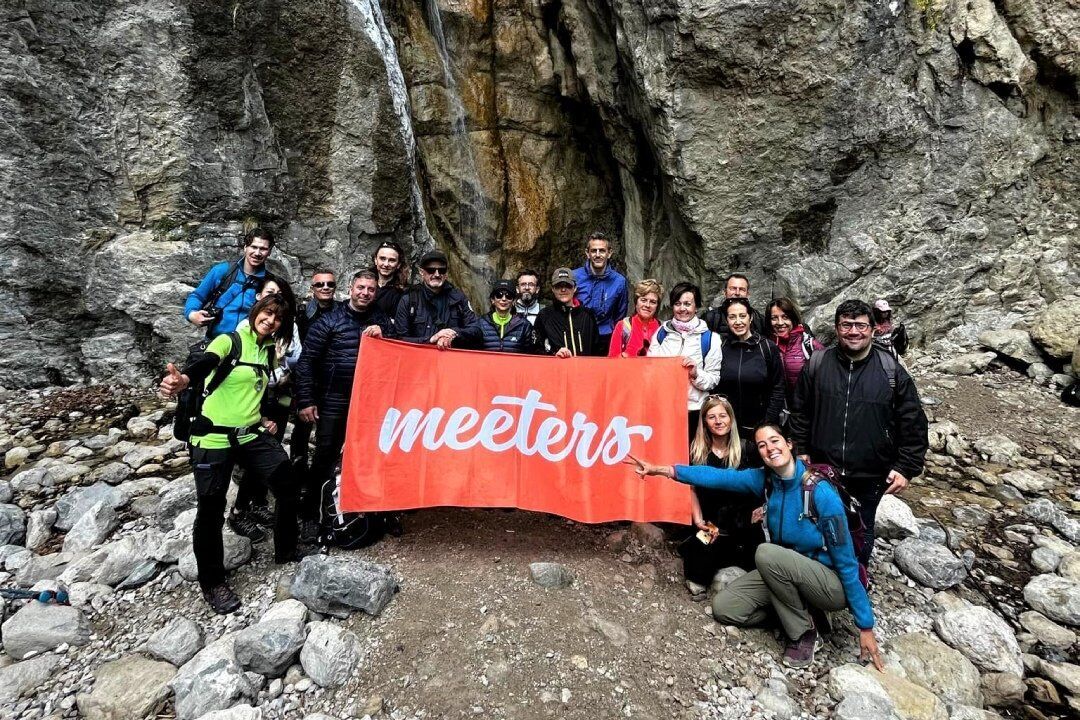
{"type": "Point", "coordinates": [784, 581]}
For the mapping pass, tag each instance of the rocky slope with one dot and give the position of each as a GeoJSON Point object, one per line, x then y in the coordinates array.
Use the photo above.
{"type": "Point", "coordinates": [510, 614]}
{"type": "Point", "coordinates": [921, 150]}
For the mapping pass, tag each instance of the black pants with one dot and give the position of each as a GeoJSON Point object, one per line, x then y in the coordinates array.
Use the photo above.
{"type": "Point", "coordinates": [252, 492]}
{"type": "Point", "coordinates": [263, 461]}
{"type": "Point", "coordinates": [298, 446]}
{"type": "Point", "coordinates": [329, 439]}
{"type": "Point", "coordinates": [868, 491]}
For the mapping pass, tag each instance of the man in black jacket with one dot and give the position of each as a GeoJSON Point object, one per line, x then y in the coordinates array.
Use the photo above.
{"type": "Point", "coordinates": [435, 311]}
{"type": "Point", "coordinates": [857, 409]}
{"type": "Point", "coordinates": [324, 380]}
{"type": "Point", "coordinates": [567, 328]}
{"type": "Point", "coordinates": [735, 286]}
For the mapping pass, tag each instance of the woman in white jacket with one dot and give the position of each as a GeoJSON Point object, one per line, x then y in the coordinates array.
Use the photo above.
{"type": "Point", "coordinates": [687, 336]}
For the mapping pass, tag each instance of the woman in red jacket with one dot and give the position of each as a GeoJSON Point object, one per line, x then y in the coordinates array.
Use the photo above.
{"type": "Point", "coordinates": [631, 336]}
{"type": "Point", "coordinates": [795, 342]}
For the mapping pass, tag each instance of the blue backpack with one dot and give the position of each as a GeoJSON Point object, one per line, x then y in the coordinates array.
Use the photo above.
{"type": "Point", "coordinates": [706, 341]}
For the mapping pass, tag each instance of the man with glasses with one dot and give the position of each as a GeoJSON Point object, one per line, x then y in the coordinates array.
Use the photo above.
{"type": "Point", "coordinates": [857, 409]}
{"type": "Point", "coordinates": [435, 311]}
{"type": "Point", "coordinates": [324, 380]}
{"type": "Point", "coordinates": [323, 288]}
{"type": "Point", "coordinates": [601, 289]}
{"type": "Point", "coordinates": [504, 330]}
{"type": "Point", "coordinates": [528, 295]}
{"type": "Point", "coordinates": [227, 293]}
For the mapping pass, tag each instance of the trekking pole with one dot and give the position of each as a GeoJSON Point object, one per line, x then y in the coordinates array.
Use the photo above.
{"type": "Point", "coordinates": [43, 596]}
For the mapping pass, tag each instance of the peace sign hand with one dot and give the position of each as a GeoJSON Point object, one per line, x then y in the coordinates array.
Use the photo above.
{"type": "Point", "coordinates": [644, 469]}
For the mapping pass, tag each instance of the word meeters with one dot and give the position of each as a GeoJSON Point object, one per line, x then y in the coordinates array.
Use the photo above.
{"type": "Point", "coordinates": [501, 431]}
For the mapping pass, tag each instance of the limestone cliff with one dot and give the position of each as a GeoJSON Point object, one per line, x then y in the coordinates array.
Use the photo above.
{"type": "Point", "coordinates": [920, 151]}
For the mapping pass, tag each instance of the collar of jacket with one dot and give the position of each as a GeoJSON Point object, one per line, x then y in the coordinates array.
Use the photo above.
{"type": "Point", "coordinates": [753, 340]}
{"type": "Point", "coordinates": [845, 361]}
{"type": "Point", "coordinates": [700, 327]}
{"type": "Point", "coordinates": [787, 483]}
{"type": "Point", "coordinates": [600, 276]}
{"type": "Point", "coordinates": [794, 337]}
{"type": "Point", "coordinates": [569, 307]}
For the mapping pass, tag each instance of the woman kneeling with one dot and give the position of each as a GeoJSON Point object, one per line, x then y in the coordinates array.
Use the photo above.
{"type": "Point", "coordinates": [806, 564]}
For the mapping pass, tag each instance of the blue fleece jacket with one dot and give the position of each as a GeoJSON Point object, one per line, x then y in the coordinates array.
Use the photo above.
{"type": "Point", "coordinates": [236, 302]}
{"type": "Point", "coordinates": [605, 294]}
{"type": "Point", "coordinates": [828, 540]}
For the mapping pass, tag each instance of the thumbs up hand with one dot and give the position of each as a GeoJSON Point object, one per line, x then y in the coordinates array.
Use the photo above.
{"type": "Point", "coordinates": [173, 382]}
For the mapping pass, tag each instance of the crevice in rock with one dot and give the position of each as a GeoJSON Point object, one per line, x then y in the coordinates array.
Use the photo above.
{"type": "Point", "coordinates": [809, 229]}
{"type": "Point", "coordinates": [1052, 76]}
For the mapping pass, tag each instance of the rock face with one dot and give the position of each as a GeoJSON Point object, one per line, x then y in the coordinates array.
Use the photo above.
{"type": "Point", "coordinates": [917, 151]}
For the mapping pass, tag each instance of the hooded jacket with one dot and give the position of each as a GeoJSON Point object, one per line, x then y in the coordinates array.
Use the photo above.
{"type": "Point", "coordinates": [324, 374]}
{"type": "Point", "coordinates": [420, 314]}
{"type": "Point", "coordinates": [519, 336]}
{"type": "Point", "coordinates": [677, 344]}
{"type": "Point", "coordinates": [605, 294]}
{"type": "Point", "coordinates": [791, 352]}
{"type": "Point", "coordinates": [828, 540]}
{"type": "Point", "coordinates": [752, 377]}
{"type": "Point", "coordinates": [571, 326]}
{"type": "Point", "coordinates": [846, 414]}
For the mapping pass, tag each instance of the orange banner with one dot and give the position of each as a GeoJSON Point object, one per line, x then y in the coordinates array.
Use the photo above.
{"type": "Point", "coordinates": [479, 429]}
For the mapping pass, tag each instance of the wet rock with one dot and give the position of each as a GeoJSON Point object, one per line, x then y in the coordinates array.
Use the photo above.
{"type": "Point", "coordinates": [330, 654]}
{"type": "Point", "coordinates": [91, 528]}
{"type": "Point", "coordinates": [78, 501]}
{"type": "Point", "coordinates": [1013, 344]}
{"type": "Point", "coordinates": [935, 666]}
{"type": "Point", "coordinates": [12, 525]}
{"type": "Point", "coordinates": [112, 473]}
{"type": "Point", "coordinates": [131, 687]}
{"type": "Point", "coordinates": [339, 586]}
{"type": "Point", "coordinates": [981, 635]}
{"type": "Point", "coordinates": [1029, 481]}
{"type": "Point", "coordinates": [1003, 689]}
{"type": "Point", "coordinates": [23, 678]}
{"type": "Point", "coordinates": [550, 575]}
{"type": "Point", "coordinates": [212, 680]}
{"type": "Point", "coordinates": [929, 564]}
{"type": "Point", "coordinates": [271, 645]}
{"type": "Point", "coordinates": [40, 627]}
{"type": "Point", "coordinates": [177, 642]}
{"type": "Point", "coordinates": [894, 519]}
{"type": "Point", "coordinates": [1058, 598]}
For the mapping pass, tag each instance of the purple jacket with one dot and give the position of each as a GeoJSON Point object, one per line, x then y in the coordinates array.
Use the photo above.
{"type": "Point", "coordinates": [794, 356]}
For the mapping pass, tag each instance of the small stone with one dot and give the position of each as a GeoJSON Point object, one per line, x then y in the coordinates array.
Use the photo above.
{"type": "Point", "coordinates": [330, 654]}
{"type": "Point", "coordinates": [142, 428]}
{"type": "Point", "coordinates": [15, 457]}
{"type": "Point", "coordinates": [1029, 481]}
{"type": "Point", "coordinates": [272, 645]}
{"type": "Point", "coordinates": [550, 575]}
{"type": "Point", "coordinates": [894, 519]}
{"type": "Point", "coordinates": [112, 473]}
{"type": "Point", "coordinates": [177, 642]}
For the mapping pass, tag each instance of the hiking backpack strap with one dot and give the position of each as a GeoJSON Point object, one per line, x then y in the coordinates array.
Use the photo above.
{"type": "Point", "coordinates": [807, 345]}
{"type": "Point", "coordinates": [706, 344]}
{"type": "Point", "coordinates": [230, 361]}
{"type": "Point", "coordinates": [660, 335]}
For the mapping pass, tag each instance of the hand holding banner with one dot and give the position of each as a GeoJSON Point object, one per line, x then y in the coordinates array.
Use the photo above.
{"type": "Point", "coordinates": [477, 429]}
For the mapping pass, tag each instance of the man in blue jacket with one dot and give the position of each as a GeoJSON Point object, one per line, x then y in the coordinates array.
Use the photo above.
{"type": "Point", "coordinates": [227, 293]}
{"type": "Point", "coordinates": [601, 289]}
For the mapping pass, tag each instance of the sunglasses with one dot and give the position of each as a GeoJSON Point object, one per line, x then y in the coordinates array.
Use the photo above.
{"type": "Point", "coordinates": [717, 397]}
{"type": "Point", "coordinates": [329, 284]}
{"type": "Point", "coordinates": [433, 270]}
{"type": "Point", "coordinates": [502, 295]}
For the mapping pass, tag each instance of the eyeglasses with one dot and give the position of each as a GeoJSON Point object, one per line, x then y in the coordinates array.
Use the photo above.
{"type": "Point", "coordinates": [502, 295]}
{"type": "Point", "coordinates": [860, 326]}
{"type": "Point", "coordinates": [435, 270]}
{"type": "Point", "coordinates": [328, 284]}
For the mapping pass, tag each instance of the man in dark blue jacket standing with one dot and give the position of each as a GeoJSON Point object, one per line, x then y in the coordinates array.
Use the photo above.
{"type": "Point", "coordinates": [227, 293]}
{"type": "Point", "coordinates": [324, 380]}
{"type": "Point", "coordinates": [435, 311]}
{"type": "Point", "coordinates": [601, 289]}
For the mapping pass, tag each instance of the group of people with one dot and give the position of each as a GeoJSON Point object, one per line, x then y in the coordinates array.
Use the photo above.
{"type": "Point", "coordinates": [767, 405]}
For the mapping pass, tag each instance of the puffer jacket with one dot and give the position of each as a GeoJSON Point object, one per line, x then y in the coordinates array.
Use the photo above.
{"type": "Point", "coordinates": [518, 337]}
{"type": "Point", "coordinates": [677, 344]}
{"type": "Point", "coordinates": [846, 414]}
{"type": "Point", "coordinates": [418, 318]}
{"type": "Point", "coordinates": [324, 375]}
{"type": "Point", "coordinates": [828, 540]}
{"type": "Point", "coordinates": [752, 377]}
{"type": "Point", "coordinates": [794, 357]}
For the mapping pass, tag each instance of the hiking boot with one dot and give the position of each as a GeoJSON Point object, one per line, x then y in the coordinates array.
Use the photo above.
{"type": "Point", "coordinates": [242, 523]}
{"type": "Point", "coordinates": [821, 620]}
{"type": "Point", "coordinates": [302, 550]}
{"type": "Point", "coordinates": [800, 653]}
{"type": "Point", "coordinates": [221, 599]}
{"type": "Point", "coordinates": [262, 514]}
{"type": "Point", "coordinates": [392, 521]}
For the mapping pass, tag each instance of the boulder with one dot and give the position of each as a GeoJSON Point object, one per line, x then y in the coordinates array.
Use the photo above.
{"type": "Point", "coordinates": [237, 712]}
{"type": "Point", "coordinates": [91, 528]}
{"type": "Point", "coordinates": [1058, 328]}
{"type": "Point", "coordinates": [1069, 565]}
{"type": "Point", "coordinates": [550, 575]}
{"type": "Point", "coordinates": [982, 636]}
{"type": "Point", "coordinates": [40, 627]}
{"type": "Point", "coordinates": [1067, 675]}
{"type": "Point", "coordinates": [330, 655]}
{"type": "Point", "coordinates": [341, 585]}
{"type": "Point", "coordinates": [112, 473]}
{"type": "Point", "coordinates": [894, 519]}
{"type": "Point", "coordinates": [177, 497]}
{"type": "Point", "coordinates": [78, 501]}
{"type": "Point", "coordinates": [12, 525]}
{"type": "Point", "coordinates": [908, 700]}
{"type": "Point", "coordinates": [1003, 689]}
{"type": "Point", "coordinates": [1045, 559]}
{"type": "Point", "coordinates": [237, 552]}
{"type": "Point", "coordinates": [967, 364]}
{"type": "Point", "coordinates": [1056, 597]}
{"type": "Point", "coordinates": [932, 664]}
{"type": "Point", "coordinates": [177, 642]}
{"type": "Point", "coordinates": [271, 645]}
{"type": "Point", "coordinates": [15, 457]}
{"type": "Point", "coordinates": [212, 680]}
{"type": "Point", "coordinates": [865, 706]}
{"type": "Point", "coordinates": [1013, 344]}
{"type": "Point", "coordinates": [23, 678]}
{"type": "Point", "coordinates": [1046, 631]}
{"type": "Point", "coordinates": [929, 564]}
{"type": "Point", "coordinates": [998, 449]}
{"type": "Point", "coordinates": [39, 525]}
{"type": "Point", "coordinates": [1029, 481]}
{"type": "Point", "coordinates": [1045, 511]}
{"type": "Point", "coordinates": [131, 687]}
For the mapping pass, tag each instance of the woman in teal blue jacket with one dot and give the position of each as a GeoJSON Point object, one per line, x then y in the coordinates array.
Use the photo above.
{"type": "Point", "coordinates": [805, 563]}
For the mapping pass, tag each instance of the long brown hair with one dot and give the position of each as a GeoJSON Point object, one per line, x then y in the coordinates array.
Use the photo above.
{"type": "Point", "coordinates": [702, 444]}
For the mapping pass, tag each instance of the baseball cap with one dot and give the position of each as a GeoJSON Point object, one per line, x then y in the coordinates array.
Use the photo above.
{"type": "Point", "coordinates": [882, 305]}
{"type": "Point", "coordinates": [505, 286]}
{"type": "Point", "coordinates": [433, 256]}
{"type": "Point", "coordinates": [562, 276]}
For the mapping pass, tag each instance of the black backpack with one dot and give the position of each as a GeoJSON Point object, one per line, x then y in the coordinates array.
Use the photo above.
{"type": "Point", "coordinates": [346, 530]}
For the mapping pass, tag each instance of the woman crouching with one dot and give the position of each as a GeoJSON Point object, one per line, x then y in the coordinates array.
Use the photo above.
{"type": "Point", "coordinates": [806, 565]}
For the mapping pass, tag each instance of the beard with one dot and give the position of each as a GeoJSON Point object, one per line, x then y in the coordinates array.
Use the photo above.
{"type": "Point", "coordinates": [525, 299]}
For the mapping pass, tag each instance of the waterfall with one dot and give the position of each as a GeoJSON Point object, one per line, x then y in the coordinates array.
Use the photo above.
{"type": "Point", "coordinates": [369, 18]}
